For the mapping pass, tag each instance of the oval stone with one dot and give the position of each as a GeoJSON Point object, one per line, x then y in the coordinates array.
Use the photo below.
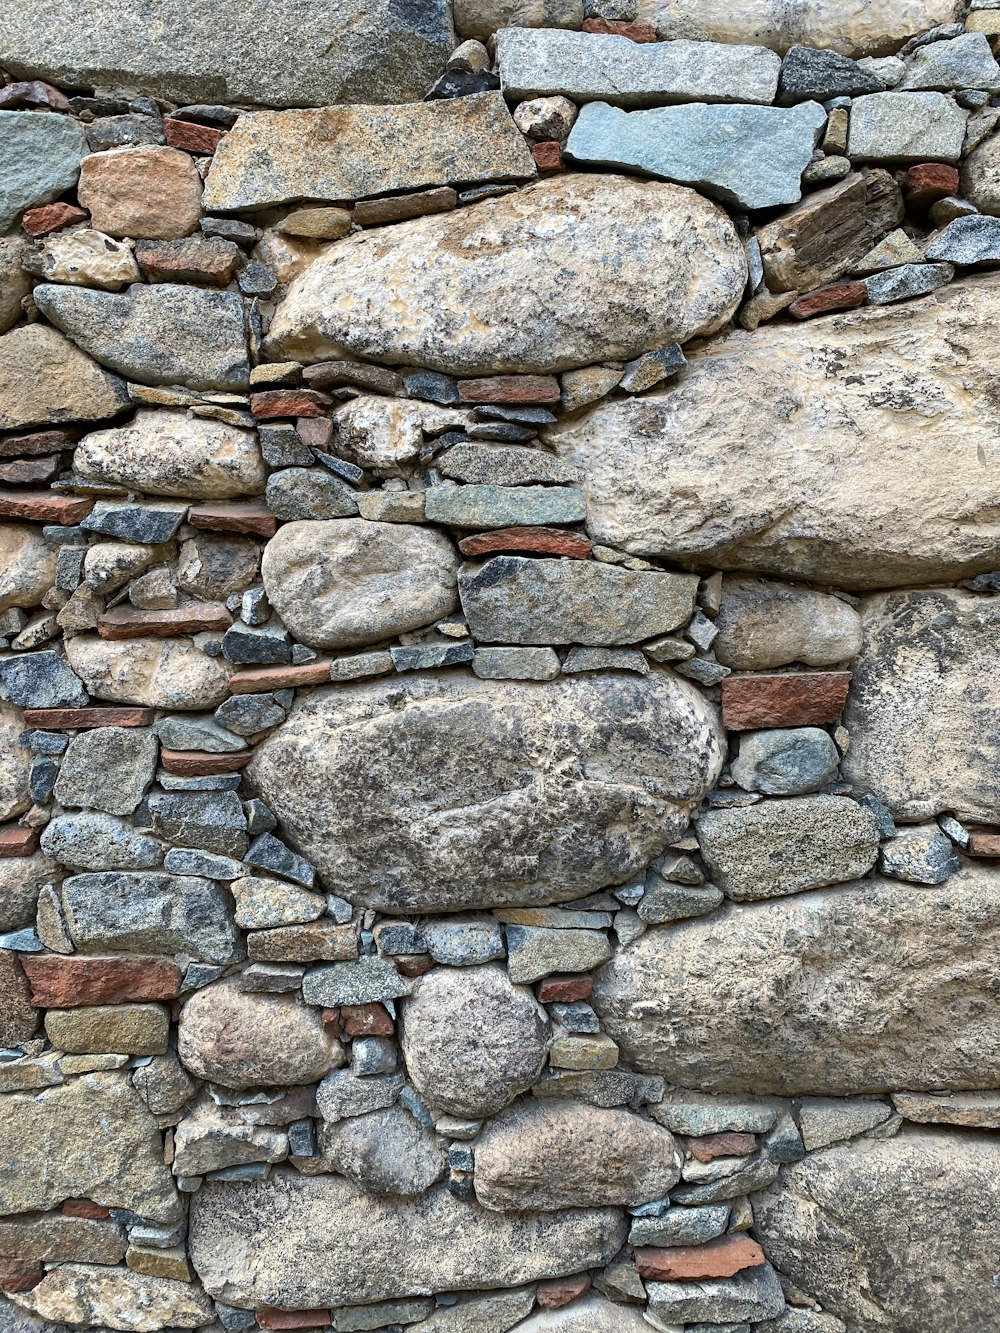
{"type": "Point", "coordinates": [442, 792]}
{"type": "Point", "coordinates": [157, 673]}
{"type": "Point", "coordinates": [525, 283]}
{"type": "Point", "coordinates": [27, 566]}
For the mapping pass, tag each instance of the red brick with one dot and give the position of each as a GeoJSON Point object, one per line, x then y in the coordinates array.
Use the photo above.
{"type": "Point", "coordinates": [367, 1020]}
{"type": "Point", "coordinates": [44, 507]}
{"type": "Point", "coordinates": [793, 699]}
{"type": "Point", "coordinates": [413, 964]}
{"type": "Point", "coordinates": [928, 182]}
{"type": "Point", "coordinates": [547, 155]}
{"type": "Point", "coordinates": [564, 988]}
{"type": "Point", "coordinates": [279, 677]}
{"type": "Point", "coordinates": [67, 982]}
{"type": "Point", "coordinates": [32, 92]}
{"type": "Point", "coordinates": [693, 1263]}
{"type": "Point", "coordinates": [129, 622]}
{"type": "Point", "coordinates": [559, 1292]}
{"type": "Point", "coordinates": [984, 844]}
{"type": "Point", "coordinates": [636, 32]}
{"type": "Point", "coordinates": [710, 1146]}
{"type": "Point", "coordinates": [191, 137]}
{"type": "Point", "coordinates": [20, 1274]}
{"type": "Point", "coordinates": [85, 719]}
{"type": "Point", "coordinates": [534, 541]}
{"type": "Point", "coordinates": [52, 217]}
{"type": "Point", "coordinates": [198, 763]}
{"type": "Point", "coordinates": [273, 403]}
{"type": "Point", "coordinates": [30, 471]}
{"type": "Point", "coordinates": [510, 389]}
{"type": "Point", "coordinates": [378, 212]}
{"type": "Point", "coordinates": [84, 1208]}
{"type": "Point", "coordinates": [270, 1318]}
{"type": "Point", "coordinates": [255, 519]}
{"type": "Point", "coordinates": [35, 442]}
{"type": "Point", "coordinates": [837, 296]}
{"type": "Point", "coordinates": [16, 840]}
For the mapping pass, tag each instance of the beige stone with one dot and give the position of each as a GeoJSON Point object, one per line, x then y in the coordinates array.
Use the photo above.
{"type": "Point", "coordinates": [316, 224]}
{"type": "Point", "coordinates": [127, 1029]}
{"type": "Point", "coordinates": [381, 433]}
{"type": "Point", "coordinates": [981, 176]}
{"type": "Point", "coordinates": [262, 902]}
{"type": "Point", "coordinates": [21, 877]}
{"type": "Point", "coordinates": [27, 566]}
{"type": "Point", "coordinates": [147, 193]}
{"type": "Point", "coordinates": [168, 453]}
{"type": "Point", "coordinates": [214, 1137]}
{"type": "Point", "coordinates": [482, 18]}
{"type": "Point", "coordinates": [402, 295]}
{"type": "Point", "coordinates": [848, 450]}
{"type": "Point", "coordinates": [763, 624]}
{"type": "Point", "coordinates": [15, 284]}
{"type": "Point", "coordinates": [59, 1239]}
{"type": "Point", "coordinates": [154, 672]}
{"type": "Point", "coordinates": [18, 1020]}
{"type": "Point", "coordinates": [286, 256]}
{"type": "Point", "coordinates": [88, 258]}
{"type": "Point", "coordinates": [593, 1314]}
{"type": "Point", "coordinates": [109, 565]}
{"type": "Point", "coordinates": [967, 1110]}
{"type": "Point", "coordinates": [15, 761]}
{"type": "Point", "coordinates": [116, 1298]}
{"type": "Point", "coordinates": [45, 380]}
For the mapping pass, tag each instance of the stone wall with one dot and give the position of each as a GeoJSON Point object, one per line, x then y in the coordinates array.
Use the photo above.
{"type": "Point", "coordinates": [499, 718]}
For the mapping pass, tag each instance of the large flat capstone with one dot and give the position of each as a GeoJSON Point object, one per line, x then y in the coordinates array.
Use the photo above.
{"type": "Point", "coordinates": [866, 434]}
{"type": "Point", "coordinates": [619, 268]}
{"type": "Point", "coordinates": [444, 792]}
{"type": "Point", "coordinates": [872, 986]}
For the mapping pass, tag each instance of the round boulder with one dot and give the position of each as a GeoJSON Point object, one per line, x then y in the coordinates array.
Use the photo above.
{"type": "Point", "coordinates": [348, 582]}
{"type": "Point", "coordinates": [385, 1152]}
{"type": "Point", "coordinates": [472, 1040]}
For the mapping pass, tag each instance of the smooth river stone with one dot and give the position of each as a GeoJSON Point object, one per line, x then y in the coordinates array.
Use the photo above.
{"type": "Point", "coordinates": [154, 672]}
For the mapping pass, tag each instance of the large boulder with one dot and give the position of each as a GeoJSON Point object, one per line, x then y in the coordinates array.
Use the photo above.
{"type": "Point", "coordinates": [543, 297]}
{"type": "Point", "coordinates": [894, 1236]}
{"type": "Point", "coordinates": [300, 1242]}
{"type": "Point", "coordinates": [441, 792]}
{"type": "Point", "coordinates": [924, 706]}
{"type": "Point", "coordinates": [814, 451]}
{"type": "Point", "coordinates": [864, 988]}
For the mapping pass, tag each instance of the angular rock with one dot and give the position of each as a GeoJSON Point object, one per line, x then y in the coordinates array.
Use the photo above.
{"type": "Point", "coordinates": [811, 75]}
{"type": "Point", "coordinates": [592, 1314]}
{"type": "Point", "coordinates": [162, 334]}
{"type": "Point", "coordinates": [786, 762]}
{"type": "Point", "coordinates": [18, 1020]}
{"type": "Point", "coordinates": [142, 192]}
{"type": "Point", "coordinates": [21, 877]}
{"type": "Point", "coordinates": [515, 600]}
{"type": "Point", "coordinates": [309, 493]}
{"type": "Point", "coordinates": [27, 566]}
{"type": "Point", "coordinates": [981, 176]}
{"type": "Point", "coordinates": [65, 982]}
{"type": "Point", "coordinates": [962, 62]}
{"type": "Point", "coordinates": [516, 664]}
{"type": "Point", "coordinates": [919, 855]}
{"type": "Point", "coordinates": [542, 821]}
{"type": "Point", "coordinates": [763, 625]}
{"type": "Point", "coordinates": [117, 1298]}
{"type": "Point", "coordinates": [399, 578]}
{"type": "Point", "coordinates": [15, 282]}
{"type": "Point", "coordinates": [481, 18]}
{"type": "Point", "coordinates": [826, 1120]}
{"type": "Point", "coordinates": [381, 433]}
{"type": "Point", "coordinates": [901, 284]}
{"type": "Point", "coordinates": [158, 673]}
{"type": "Point", "coordinates": [41, 680]}
{"type": "Point", "coordinates": [533, 953]}
{"type": "Point", "coordinates": [970, 1110]}
{"type": "Point", "coordinates": [491, 252]}
{"type": "Point", "coordinates": [40, 157]}
{"type": "Point", "coordinates": [754, 1294]}
{"type": "Point", "coordinates": [971, 241]}
{"type": "Point", "coordinates": [96, 841]}
{"type": "Point", "coordinates": [261, 1243]}
{"type": "Point", "coordinates": [45, 380]}
{"type": "Point", "coordinates": [906, 128]}
{"type": "Point", "coordinates": [385, 1152]}
{"type": "Point", "coordinates": [57, 1237]}
{"type": "Point", "coordinates": [107, 769]}
{"type": "Point", "coordinates": [787, 506]}
{"type": "Point", "coordinates": [88, 258]}
{"type": "Point", "coordinates": [213, 821]}
{"type": "Point", "coordinates": [213, 1138]}
{"type": "Point", "coordinates": [784, 699]}
{"type": "Point", "coordinates": [504, 506]}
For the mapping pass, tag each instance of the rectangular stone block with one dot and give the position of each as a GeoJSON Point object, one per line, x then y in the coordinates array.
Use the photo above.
{"type": "Point", "coordinates": [83, 719]}
{"type": "Point", "coordinates": [122, 1029]}
{"type": "Point", "coordinates": [61, 982]}
{"type": "Point", "coordinates": [794, 699]}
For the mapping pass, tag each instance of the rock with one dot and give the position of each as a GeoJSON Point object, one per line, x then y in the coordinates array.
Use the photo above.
{"type": "Point", "coordinates": [516, 600]}
{"type": "Point", "coordinates": [27, 566]}
{"type": "Point", "coordinates": [384, 1152]}
{"type": "Point", "coordinates": [776, 509]}
{"type": "Point", "coordinates": [491, 253]}
{"type": "Point", "coordinates": [786, 762]}
{"type": "Point", "coordinates": [534, 953]}
{"type": "Point", "coordinates": [546, 1155]}
{"type": "Point", "coordinates": [920, 856]}
{"type": "Point", "coordinates": [380, 433]}
{"type": "Point", "coordinates": [471, 1040]}
{"type": "Point", "coordinates": [41, 680]}
{"type": "Point", "coordinates": [400, 578]}
{"type": "Point", "coordinates": [21, 877]}
{"type": "Point", "coordinates": [763, 625]}
{"type": "Point", "coordinates": [778, 847]}
{"type": "Point", "coordinates": [213, 821]}
{"type": "Point", "coordinates": [212, 567]}
{"type": "Point", "coordinates": [905, 128]}
{"type": "Point", "coordinates": [516, 663]}
{"type": "Point", "coordinates": [58, 1237]}
{"type": "Point", "coordinates": [342, 153]}
{"type": "Point", "coordinates": [981, 176]}
{"type": "Point", "coordinates": [817, 76]}
{"type": "Point", "coordinates": [545, 62]}
{"type": "Point", "coordinates": [262, 903]}
{"type": "Point", "coordinates": [971, 241]}
{"type": "Point", "coordinates": [343, 1095]}
{"type": "Point", "coordinates": [15, 282]}
{"type": "Point", "coordinates": [663, 902]}
{"type": "Point", "coordinates": [593, 1314]}
{"type": "Point", "coordinates": [90, 1138]}
{"type": "Point", "coordinates": [304, 493]}
{"type": "Point", "coordinates": [901, 284]}
{"type": "Point", "coordinates": [88, 258]}
{"type": "Point", "coordinates": [681, 1226]}
{"type": "Point", "coordinates": [544, 819]}
{"type": "Point", "coordinates": [970, 1110]}
{"type": "Point", "coordinates": [545, 117]}
{"type": "Point", "coordinates": [962, 62]}
{"type": "Point", "coordinates": [149, 192]}
{"type": "Point", "coordinates": [753, 1294]}
{"type": "Point", "coordinates": [381, 52]}
{"type": "Point", "coordinates": [92, 841]}
{"type": "Point", "coordinates": [826, 1120]}
{"type": "Point", "coordinates": [109, 769]}
{"type": "Point", "coordinates": [501, 467]}
{"type": "Point", "coordinates": [693, 145]}
{"type": "Point", "coordinates": [837, 1222]}
{"type": "Point", "coordinates": [129, 1029]}
{"type": "Point", "coordinates": [933, 648]}
{"type": "Point", "coordinates": [436, 1243]}
{"type": "Point", "coordinates": [481, 18]}
{"type": "Point", "coordinates": [162, 334]}
{"type": "Point", "coordinates": [40, 157]}
{"type": "Point", "coordinates": [213, 1137]}
{"type": "Point", "coordinates": [117, 1298]}
{"type": "Point", "coordinates": [149, 913]}
{"type": "Point", "coordinates": [45, 380]}
{"type": "Point", "coordinates": [18, 1020]}
{"type": "Point", "coordinates": [159, 673]}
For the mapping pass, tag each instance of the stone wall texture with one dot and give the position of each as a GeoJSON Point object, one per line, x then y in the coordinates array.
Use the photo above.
{"type": "Point", "coordinates": [499, 705]}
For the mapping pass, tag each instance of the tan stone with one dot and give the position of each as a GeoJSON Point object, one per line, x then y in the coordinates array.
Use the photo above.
{"type": "Point", "coordinates": [144, 193]}
{"type": "Point", "coordinates": [286, 256]}
{"type": "Point", "coordinates": [116, 1298]}
{"type": "Point", "coordinates": [968, 1110]}
{"type": "Point", "coordinates": [592, 1314]}
{"type": "Point", "coordinates": [15, 284]}
{"type": "Point", "coordinates": [21, 877]}
{"type": "Point", "coordinates": [45, 380]}
{"type": "Point", "coordinates": [127, 1029]}
{"type": "Point", "coordinates": [18, 1020]}
{"type": "Point", "coordinates": [763, 624]}
{"type": "Point", "coordinates": [981, 176]}
{"type": "Point", "coordinates": [159, 673]}
{"type": "Point", "coordinates": [15, 761]}
{"type": "Point", "coordinates": [316, 224]}
{"type": "Point", "coordinates": [88, 258]}
{"type": "Point", "coordinates": [60, 1239]}
{"type": "Point", "coordinates": [482, 18]}
{"type": "Point", "coordinates": [27, 566]}
{"type": "Point", "coordinates": [381, 433]}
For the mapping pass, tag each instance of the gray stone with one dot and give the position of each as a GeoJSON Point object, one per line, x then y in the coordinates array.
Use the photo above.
{"type": "Point", "coordinates": [109, 769]}
{"type": "Point", "coordinates": [153, 523]}
{"type": "Point", "coordinates": [191, 861]}
{"type": "Point", "coordinates": [919, 855]}
{"type": "Point", "coordinates": [697, 1114]}
{"type": "Point", "coordinates": [149, 913]}
{"type": "Point", "coordinates": [753, 1294]}
{"type": "Point", "coordinates": [763, 625]}
{"type": "Point", "coordinates": [980, 180]}
{"type": "Point", "coordinates": [968, 241]}
{"type": "Point", "coordinates": [21, 878]}
{"type": "Point", "coordinates": [543, 823]}
{"type": "Point", "coordinates": [533, 953]}
{"type": "Point", "coordinates": [382, 1315]}
{"type": "Point", "coordinates": [385, 1152]}
{"type": "Point", "coordinates": [198, 733]}
{"type": "Point", "coordinates": [504, 506]}
{"type": "Point", "coordinates": [432, 656]}
{"type": "Point", "coordinates": [588, 67]}
{"type": "Point", "coordinates": [646, 371]}
{"type": "Point", "coordinates": [664, 902]}
{"type": "Point", "coordinates": [270, 853]}
{"type": "Point", "coordinates": [309, 493]}
{"type": "Point", "coordinates": [491, 1312]}
{"type": "Point", "coordinates": [96, 1295]}
{"type": "Point", "coordinates": [962, 62]}
{"type": "Point", "coordinates": [799, 1321]}
{"type": "Point", "coordinates": [900, 284]}
{"type": "Point", "coordinates": [15, 282]}
{"type": "Point", "coordinates": [786, 762]}
{"type": "Point", "coordinates": [906, 128]}
{"type": "Point", "coordinates": [343, 1095]}
{"type": "Point", "coordinates": [811, 75]}
{"type": "Point", "coordinates": [464, 943]}
{"type": "Point", "coordinates": [40, 157]}
{"type": "Point", "coordinates": [681, 1226]}
{"type": "Point", "coordinates": [745, 156]}
{"type": "Point", "coordinates": [576, 1018]}
{"type": "Point", "coordinates": [41, 680]}
{"type": "Point", "coordinates": [364, 982]}
{"type": "Point", "coordinates": [95, 841]}
{"type": "Point", "coordinates": [605, 659]}
{"type": "Point", "coordinates": [481, 464]}
{"type": "Point", "coordinates": [213, 821]}
{"type": "Point", "coordinates": [471, 1040]}
{"type": "Point", "coordinates": [516, 599]}
{"type": "Point", "coordinates": [212, 1138]}
{"type": "Point", "coordinates": [160, 334]}
{"type": "Point", "coordinates": [592, 1314]}
{"type": "Point", "coordinates": [360, 666]}
{"type": "Point", "coordinates": [382, 52]}
{"type": "Point", "coordinates": [373, 1055]}
{"type": "Point", "coordinates": [826, 1120]}
{"type": "Point", "coordinates": [516, 663]}
{"type": "Point", "coordinates": [213, 567]}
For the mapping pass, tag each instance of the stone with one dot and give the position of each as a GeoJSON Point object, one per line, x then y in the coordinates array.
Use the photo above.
{"type": "Point", "coordinates": [88, 258]}
{"type": "Point", "coordinates": [385, 844]}
{"type": "Point", "coordinates": [155, 672]}
{"type": "Point", "coordinates": [502, 467]}
{"type": "Point", "coordinates": [244, 1040]}
{"type": "Point", "coordinates": [40, 157]}
{"type": "Point", "coordinates": [21, 877]}
{"type": "Point", "coordinates": [149, 913]}
{"type": "Point", "coordinates": [681, 1226]}
{"type": "Point", "coordinates": [362, 982]}
{"type": "Point", "coordinates": [826, 1120]}
{"type": "Point", "coordinates": [336, 307]}
{"type": "Point", "coordinates": [753, 1294]}
{"type": "Point", "coordinates": [60, 1238]}
{"type": "Point", "coordinates": [835, 1220]}
{"type": "Point", "coordinates": [713, 1259]}
{"type": "Point", "coordinates": [516, 664]}
{"type": "Point", "coordinates": [504, 506]}
{"type": "Point", "coordinates": [489, 1312]}
{"type": "Point", "coordinates": [969, 241]}
{"type": "Point", "coordinates": [971, 1110]}
{"type": "Point", "coordinates": [15, 282]}
{"type": "Point", "coordinates": [437, 1243]}
{"type": "Point", "coordinates": [144, 193]}
{"type": "Point", "coordinates": [262, 903]}
{"type": "Point", "coordinates": [545, 117]}
{"type": "Point", "coordinates": [963, 62]}
{"type": "Point", "coordinates": [663, 902]}
{"type": "Point", "coordinates": [51, 217]}
{"type": "Point", "coordinates": [129, 1029]}
{"type": "Point", "coordinates": [901, 284]}
{"type": "Point", "coordinates": [533, 953]}
{"type": "Point", "coordinates": [213, 567]}
{"type": "Point", "coordinates": [212, 1138]}
{"type": "Point", "coordinates": [790, 699]}
{"type": "Point", "coordinates": [166, 333]}
{"type": "Point", "coordinates": [28, 566]}
{"type": "Point", "coordinates": [385, 1152]}
{"type": "Point", "coordinates": [481, 18]}
{"type": "Point", "coordinates": [46, 380]}
{"type": "Point", "coordinates": [41, 680]}
{"type": "Point", "coordinates": [211, 820]}
{"type": "Point", "coordinates": [60, 982]}
{"type": "Point", "coordinates": [301, 493]}
{"type": "Point", "coordinates": [18, 1019]}
{"type": "Point", "coordinates": [108, 769]}
{"type": "Point", "coordinates": [59, 1144]}
{"type": "Point", "coordinates": [919, 855]}
{"type": "Point", "coordinates": [256, 519]}
{"type": "Point", "coordinates": [117, 1298]}
{"type": "Point", "coordinates": [94, 841]}
{"type": "Point", "coordinates": [512, 599]}
{"type": "Point", "coordinates": [763, 625]}
{"type": "Point", "coordinates": [980, 183]}
{"type": "Point", "coordinates": [592, 1314]}
{"type": "Point", "coordinates": [539, 541]}
{"type": "Point", "coordinates": [691, 145]}
{"type": "Point", "coordinates": [198, 259]}
{"type": "Point", "coordinates": [590, 67]}
{"type": "Point", "coordinates": [786, 762]}
{"type": "Point", "coordinates": [814, 75]}
{"type": "Point", "coordinates": [905, 127]}
{"type": "Point", "coordinates": [308, 943]}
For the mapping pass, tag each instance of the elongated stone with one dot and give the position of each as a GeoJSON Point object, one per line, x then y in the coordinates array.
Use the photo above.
{"type": "Point", "coordinates": [118, 1298]}
{"type": "Point", "coordinates": [158, 673]}
{"type": "Point", "coordinates": [504, 506]}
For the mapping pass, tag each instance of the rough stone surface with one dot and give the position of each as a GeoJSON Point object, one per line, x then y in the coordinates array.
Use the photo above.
{"type": "Point", "coordinates": [159, 673]}
{"type": "Point", "coordinates": [763, 624]}
{"type": "Point", "coordinates": [349, 582]}
{"type": "Point", "coordinates": [107, 769]}
{"type": "Point", "coordinates": [18, 1020]}
{"type": "Point", "coordinates": [481, 18]}
{"type": "Point", "coordinates": [593, 1314]}
{"type": "Point", "coordinates": [88, 258]}
{"type": "Point", "coordinates": [128, 1029]}
{"type": "Point", "coordinates": [790, 762]}
{"type": "Point", "coordinates": [386, 1153]}
{"type": "Point", "coordinates": [45, 380]}
{"type": "Point", "coordinates": [298, 1242]}
{"type": "Point", "coordinates": [522, 793]}
{"type": "Point", "coordinates": [27, 566]}
{"type": "Point", "coordinates": [21, 878]}
{"type": "Point", "coordinates": [39, 158]}
{"type": "Point", "coordinates": [117, 1298]}
{"type": "Point", "coordinates": [885, 988]}
{"type": "Point", "coordinates": [146, 192]}
{"type": "Point", "coordinates": [542, 302]}
{"type": "Point", "coordinates": [15, 761]}
{"type": "Point", "coordinates": [15, 283]}
{"type": "Point", "coordinates": [981, 176]}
